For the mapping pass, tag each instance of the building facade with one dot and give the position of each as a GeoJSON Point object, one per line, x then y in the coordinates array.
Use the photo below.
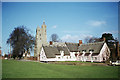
{"type": "Point", "coordinates": [92, 52]}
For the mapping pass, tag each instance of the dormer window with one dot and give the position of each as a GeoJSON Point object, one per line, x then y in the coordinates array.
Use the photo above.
{"type": "Point", "coordinates": [91, 50]}
{"type": "Point", "coordinates": [83, 50]}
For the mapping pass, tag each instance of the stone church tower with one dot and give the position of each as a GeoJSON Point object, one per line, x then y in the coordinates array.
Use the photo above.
{"type": "Point", "coordinates": [41, 39]}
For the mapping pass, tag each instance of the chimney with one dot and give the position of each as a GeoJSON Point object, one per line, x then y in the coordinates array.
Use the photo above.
{"type": "Point", "coordinates": [104, 39]}
{"type": "Point", "coordinates": [51, 43]}
{"type": "Point", "coordinates": [80, 42]}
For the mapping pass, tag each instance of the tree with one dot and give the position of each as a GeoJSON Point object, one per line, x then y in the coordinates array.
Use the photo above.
{"type": "Point", "coordinates": [55, 38]}
{"type": "Point", "coordinates": [20, 40]}
{"type": "Point", "coordinates": [107, 36]}
{"type": "Point", "coordinates": [112, 44]}
{"type": "Point", "coordinates": [91, 39]}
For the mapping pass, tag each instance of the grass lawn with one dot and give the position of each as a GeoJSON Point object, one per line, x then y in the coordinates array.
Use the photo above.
{"type": "Point", "coordinates": [21, 69]}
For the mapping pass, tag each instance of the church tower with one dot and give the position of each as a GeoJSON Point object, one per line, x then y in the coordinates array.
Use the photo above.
{"type": "Point", "coordinates": [41, 39]}
{"type": "Point", "coordinates": [44, 35]}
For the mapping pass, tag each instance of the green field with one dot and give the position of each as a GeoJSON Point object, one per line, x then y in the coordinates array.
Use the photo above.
{"type": "Point", "coordinates": [21, 69]}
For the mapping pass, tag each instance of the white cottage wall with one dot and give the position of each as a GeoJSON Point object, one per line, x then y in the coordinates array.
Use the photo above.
{"type": "Point", "coordinates": [42, 55]}
{"type": "Point", "coordinates": [72, 54]}
{"type": "Point", "coordinates": [103, 52]}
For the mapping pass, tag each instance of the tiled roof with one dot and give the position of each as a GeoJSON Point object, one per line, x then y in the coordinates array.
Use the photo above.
{"type": "Point", "coordinates": [73, 47]}
{"type": "Point", "coordinates": [96, 47]}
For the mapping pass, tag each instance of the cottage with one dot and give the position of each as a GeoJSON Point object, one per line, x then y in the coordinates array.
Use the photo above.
{"type": "Point", "coordinates": [94, 52]}
{"type": "Point", "coordinates": [53, 53]}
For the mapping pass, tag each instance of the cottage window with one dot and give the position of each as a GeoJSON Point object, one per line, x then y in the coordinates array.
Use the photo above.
{"type": "Point", "coordinates": [67, 57]}
{"type": "Point", "coordinates": [75, 54]}
{"type": "Point", "coordinates": [103, 58]}
{"type": "Point", "coordinates": [58, 57]}
{"type": "Point", "coordinates": [91, 50]}
{"type": "Point", "coordinates": [95, 58]}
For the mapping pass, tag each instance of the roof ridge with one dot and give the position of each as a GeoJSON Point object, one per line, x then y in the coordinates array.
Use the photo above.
{"type": "Point", "coordinates": [92, 43]}
{"type": "Point", "coordinates": [71, 43]}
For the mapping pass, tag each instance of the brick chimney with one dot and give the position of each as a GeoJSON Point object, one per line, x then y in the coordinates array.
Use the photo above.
{"type": "Point", "coordinates": [80, 42]}
{"type": "Point", "coordinates": [51, 42]}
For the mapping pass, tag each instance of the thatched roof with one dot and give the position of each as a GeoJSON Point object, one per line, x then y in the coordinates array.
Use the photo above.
{"type": "Point", "coordinates": [95, 47]}
{"type": "Point", "coordinates": [73, 47]}
{"type": "Point", "coordinates": [52, 51]}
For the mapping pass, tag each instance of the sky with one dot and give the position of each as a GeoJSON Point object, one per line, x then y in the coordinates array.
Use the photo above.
{"type": "Point", "coordinates": [71, 21]}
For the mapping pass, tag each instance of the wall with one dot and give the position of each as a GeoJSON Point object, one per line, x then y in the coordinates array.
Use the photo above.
{"type": "Point", "coordinates": [104, 53]}
{"type": "Point", "coordinates": [42, 55]}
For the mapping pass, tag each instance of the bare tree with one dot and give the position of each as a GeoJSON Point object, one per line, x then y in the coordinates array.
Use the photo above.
{"type": "Point", "coordinates": [86, 40]}
{"type": "Point", "coordinates": [91, 39]}
{"type": "Point", "coordinates": [54, 37]}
